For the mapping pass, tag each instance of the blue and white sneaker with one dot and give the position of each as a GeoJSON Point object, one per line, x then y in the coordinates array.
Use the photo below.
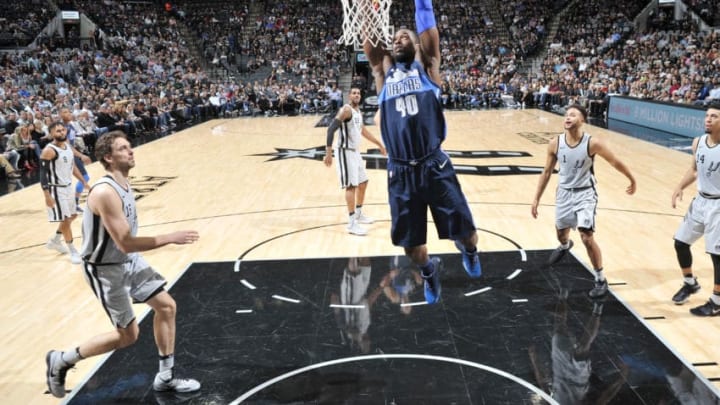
{"type": "Point", "coordinates": [471, 261]}
{"type": "Point", "coordinates": [432, 282]}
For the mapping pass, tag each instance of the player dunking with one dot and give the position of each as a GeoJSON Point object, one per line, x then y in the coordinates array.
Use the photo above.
{"type": "Point", "coordinates": [351, 166]}
{"type": "Point", "coordinates": [420, 174]}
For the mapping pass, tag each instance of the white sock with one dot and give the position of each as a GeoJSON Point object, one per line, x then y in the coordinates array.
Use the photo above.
{"type": "Point", "coordinates": [71, 356]}
{"type": "Point", "coordinates": [715, 299]}
{"type": "Point", "coordinates": [167, 362]}
{"type": "Point", "coordinates": [599, 276]}
{"type": "Point", "coordinates": [565, 245]}
{"type": "Point", "coordinates": [690, 280]}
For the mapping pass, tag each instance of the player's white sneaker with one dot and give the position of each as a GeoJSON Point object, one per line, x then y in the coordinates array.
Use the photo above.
{"type": "Point", "coordinates": [355, 229]}
{"type": "Point", "coordinates": [56, 371]}
{"type": "Point", "coordinates": [53, 244]}
{"type": "Point", "coordinates": [75, 258]}
{"type": "Point", "coordinates": [165, 381]}
{"type": "Point", "coordinates": [363, 219]}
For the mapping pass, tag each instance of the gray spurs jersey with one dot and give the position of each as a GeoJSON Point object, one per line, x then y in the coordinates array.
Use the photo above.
{"type": "Point", "coordinates": [60, 170]}
{"type": "Point", "coordinates": [707, 160]}
{"type": "Point", "coordinates": [98, 247]}
{"type": "Point", "coordinates": [576, 164]}
{"type": "Point", "coordinates": [351, 131]}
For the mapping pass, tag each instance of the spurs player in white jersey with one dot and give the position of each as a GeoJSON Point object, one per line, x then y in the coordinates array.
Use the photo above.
{"type": "Point", "coordinates": [353, 304]}
{"type": "Point", "coordinates": [576, 196]}
{"type": "Point", "coordinates": [351, 166]}
{"type": "Point", "coordinates": [116, 272]}
{"type": "Point", "coordinates": [703, 215]}
{"type": "Point", "coordinates": [57, 168]}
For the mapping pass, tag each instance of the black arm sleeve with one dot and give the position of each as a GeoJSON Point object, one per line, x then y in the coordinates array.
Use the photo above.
{"type": "Point", "coordinates": [44, 170]}
{"type": "Point", "coordinates": [334, 125]}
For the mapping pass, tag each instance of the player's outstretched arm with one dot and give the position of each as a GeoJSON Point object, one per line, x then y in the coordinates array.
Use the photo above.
{"type": "Point", "coordinates": [343, 115]}
{"type": "Point", "coordinates": [544, 178]}
{"type": "Point", "coordinates": [370, 137]}
{"type": "Point", "coordinates": [598, 146]}
{"type": "Point", "coordinates": [105, 202]}
{"type": "Point", "coordinates": [46, 157]}
{"type": "Point", "coordinates": [688, 178]}
{"type": "Point", "coordinates": [429, 38]}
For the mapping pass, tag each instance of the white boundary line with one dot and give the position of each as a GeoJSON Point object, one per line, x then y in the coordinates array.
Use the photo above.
{"type": "Point", "coordinates": [347, 306]}
{"type": "Point", "coordinates": [682, 359]}
{"type": "Point", "coordinates": [281, 298]}
{"type": "Point", "coordinates": [413, 304]}
{"type": "Point", "coordinates": [480, 291]}
{"type": "Point", "coordinates": [514, 274]}
{"type": "Point", "coordinates": [493, 370]}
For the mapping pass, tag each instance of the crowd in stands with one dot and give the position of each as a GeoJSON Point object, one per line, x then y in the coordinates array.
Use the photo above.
{"type": "Point", "coordinates": [674, 62]}
{"type": "Point", "coordinates": [22, 21]}
{"type": "Point", "coordinates": [139, 73]}
{"type": "Point", "coordinates": [707, 10]}
{"type": "Point", "coordinates": [526, 21]}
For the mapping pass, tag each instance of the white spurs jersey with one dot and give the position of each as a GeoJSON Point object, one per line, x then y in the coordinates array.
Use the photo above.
{"type": "Point", "coordinates": [576, 164]}
{"type": "Point", "coordinates": [60, 170]}
{"type": "Point", "coordinates": [351, 131]}
{"type": "Point", "coordinates": [98, 247]}
{"type": "Point", "coordinates": [707, 160]}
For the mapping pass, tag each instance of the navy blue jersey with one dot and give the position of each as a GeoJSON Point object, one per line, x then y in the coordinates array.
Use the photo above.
{"type": "Point", "coordinates": [412, 120]}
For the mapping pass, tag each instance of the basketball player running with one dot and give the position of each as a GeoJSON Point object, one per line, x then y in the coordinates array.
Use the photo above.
{"type": "Point", "coordinates": [420, 174]}
{"type": "Point", "coordinates": [702, 215]}
{"type": "Point", "coordinates": [351, 166]}
{"type": "Point", "coordinates": [576, 195]}
{"type": "Point", "coordinates": [57, 167]}
{"type": "Point", "coordinates": [117, 273]}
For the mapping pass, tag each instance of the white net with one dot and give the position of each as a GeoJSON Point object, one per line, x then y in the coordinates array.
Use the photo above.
{"type": "Point", "coordinates": [369, 16]}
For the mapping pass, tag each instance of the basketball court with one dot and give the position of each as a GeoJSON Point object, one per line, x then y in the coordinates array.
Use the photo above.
{"type": "Point", "coordinates": [277, 303]}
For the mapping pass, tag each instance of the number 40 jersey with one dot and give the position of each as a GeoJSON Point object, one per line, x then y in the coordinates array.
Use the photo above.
{"type": "Point", "coordinates": [411, 114]}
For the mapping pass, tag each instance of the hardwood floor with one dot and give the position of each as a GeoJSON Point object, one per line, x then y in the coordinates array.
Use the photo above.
{"type": "Point", "coordinates": [255, 188]}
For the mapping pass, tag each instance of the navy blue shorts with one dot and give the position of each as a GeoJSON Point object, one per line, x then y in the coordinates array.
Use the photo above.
{"type": "Point", "coordinates": [431, 183]}
{"type": "Point", "coordinates": [80, 165]}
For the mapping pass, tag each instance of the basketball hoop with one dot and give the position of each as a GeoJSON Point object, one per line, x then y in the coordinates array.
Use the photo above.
{"type": "Point", "coordinates": [369, 16]}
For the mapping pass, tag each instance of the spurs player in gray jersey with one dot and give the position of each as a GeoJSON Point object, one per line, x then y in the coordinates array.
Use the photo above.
{"type": "Point", "coordinates": [57, 168]}
{"type": "Point", "coordinates": [116, 272]}
{"type": "Point", "coordinates": [351, 166]}
{"type": "Point", "coordinates": [576, 196]}
{"type": "Point", "coordinates": [703, 215]}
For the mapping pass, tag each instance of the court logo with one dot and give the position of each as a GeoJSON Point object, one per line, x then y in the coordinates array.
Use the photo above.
{"type": "Point", "coordinates": [540, 138]}
{"type": "Point", "coordinates": [375, 160]}
{"type": "Point", "coordinates": [142, 186]}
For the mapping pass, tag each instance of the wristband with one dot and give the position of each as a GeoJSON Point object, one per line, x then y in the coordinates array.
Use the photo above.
{"type": "Point", "coordinates": [424, 16]}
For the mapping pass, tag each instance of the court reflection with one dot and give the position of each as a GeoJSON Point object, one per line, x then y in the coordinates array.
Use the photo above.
{"type": "Point", "coordinates": [569, 377]}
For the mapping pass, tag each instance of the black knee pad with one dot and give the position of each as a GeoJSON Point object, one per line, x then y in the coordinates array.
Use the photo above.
{"type": "Point", "coordinates": [716, 267]}
{"type": "Point", "coordinates": [684, 256]}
